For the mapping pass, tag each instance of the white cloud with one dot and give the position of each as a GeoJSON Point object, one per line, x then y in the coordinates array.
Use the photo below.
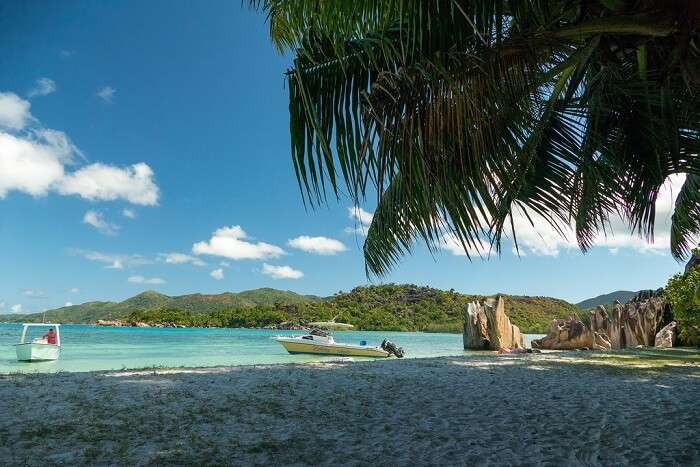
{"type": "Point", "coordinates": [451, 243]}
{"type": "Point", "coordinates": [126, 212]}
{"type": "Point", "coordinates": [281, 272]}
{"type": "Point", "coordinates": [63, 148]}
{"type": "Point", "coordinates": [112, 260]}
{"type": "Point", "coordinates": [34, 160]}
{"type": "Point", "coordinates": [29, 164]}
{"type": "Point", "coordinates": [33, 293]}
{"type": "Point", "coordinates": [68, 304]}
{"type": "Point", "coordinates": [65, 53]}
{"type": "Point", "coordinates": [543, 240]}
{"type": "Point", "coordinates": [180, 258]}
{"type": "Point", "coordinates": [362, 220]}
{"type": "Point", "coordinates": [16, 308]}
{"type": "Point", "coordinates": [145, 280]}
{"type": "Point", "coordinates": [74, 290]}
{"type": "Point", "coordinates": [359, 230]}
{"type": "Point", "coordinates": [360, 215]}
{"type": "Point", "coordinates": [14, 111]}
{"type": "Point", "coordinates": [225, 264]}
{"type": "Point", "coordinates": [107, 93]}
{"type": "Point", "coordinates": [107, 183]}
{"type": "Point", "coordinates": [43, 87]}
{"type": "Point", "coordinates": [229, 242]}
{"type": "Point", "coordinates": [217, 274]}
{"type": "Point", "coordinates": [317, 245]}
{"type": "Point", "coordinates": [97, 220]}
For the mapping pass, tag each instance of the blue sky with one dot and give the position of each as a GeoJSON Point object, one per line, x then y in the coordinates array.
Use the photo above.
{"type": "Point", "coordinates": [145, 145]}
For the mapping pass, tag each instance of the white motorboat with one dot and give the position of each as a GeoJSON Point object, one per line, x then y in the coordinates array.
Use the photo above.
{"type": "Point", "coordinates": [41, 348]}
{"type": "Point", "coordinates": [318, 342]}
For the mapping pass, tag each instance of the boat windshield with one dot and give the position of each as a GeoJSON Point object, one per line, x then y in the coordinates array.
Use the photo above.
{"type": "Point", "coordinates": [38, 334]}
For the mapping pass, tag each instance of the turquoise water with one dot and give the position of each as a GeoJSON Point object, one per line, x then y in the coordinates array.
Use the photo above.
{"type": "Point", "coordinates": [88, 348]}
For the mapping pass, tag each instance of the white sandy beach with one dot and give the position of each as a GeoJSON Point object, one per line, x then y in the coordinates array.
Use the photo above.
{"type": "Point", "coordinates": [552, 409]}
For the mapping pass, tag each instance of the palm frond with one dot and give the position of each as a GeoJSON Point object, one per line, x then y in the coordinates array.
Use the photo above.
{"type": "Point", "coordinates": [456, 113]}
{"type": "Point", "coordinates": [685, 222]}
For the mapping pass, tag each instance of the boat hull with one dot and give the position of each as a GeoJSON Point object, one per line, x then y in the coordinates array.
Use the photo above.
{"type": "Point", "coordinates": [32, 352]}
{"type": "Point", "coordinates": [297, 346]}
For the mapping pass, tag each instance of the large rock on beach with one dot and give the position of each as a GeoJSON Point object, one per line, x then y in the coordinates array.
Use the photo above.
{"type": "Point", "coordinates": [666, 338]}
{"type": "Point", "coordinates": [487, 327]}
{"type": "Point", "coordinates": [630, 325]}
{"type": "Point", "coordinates": [476, 332]}
{"type": "Point", "coordinates": [572, 333]}
{"type": "Point", "coordinates": [637, 321]}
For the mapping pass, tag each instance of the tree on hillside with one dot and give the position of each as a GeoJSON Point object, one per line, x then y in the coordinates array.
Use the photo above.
{"type": "Point", "coordinates": [683, 293]}
{"type": "Point", "coordinates": [460, 114]}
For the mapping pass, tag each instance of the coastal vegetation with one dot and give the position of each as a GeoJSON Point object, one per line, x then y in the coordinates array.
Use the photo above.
{"type": "Point", "coordinates": [397, 307]}
{"type": "Point", "coordinates": [473, 119]}
{"type": "Point", "coordinates": [683, 293]}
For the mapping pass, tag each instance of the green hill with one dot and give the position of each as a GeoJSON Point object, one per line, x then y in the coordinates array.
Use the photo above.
{"type": "Point", "coordinates": [533, 314]}
{"type": "Point", "coordinates": [85, 313]}
{"type": "Point", "coordinates": [383, 307]}
{"type": "Point", "coordinates": [145, 300]}
{"type": "Point", "coordinates": [202, 303]}
{"type": "Point", "coordinates": [413, 308]}
{"type": "Point", "coordinates": [268, 297]}
{"type": "Point", "coordinates": [621, 296]}
{"type": "Point", "coordinates": [196, 303]}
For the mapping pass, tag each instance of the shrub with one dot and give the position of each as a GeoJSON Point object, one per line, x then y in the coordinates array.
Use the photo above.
{"type": "Point", "coordinates": [682, 293]}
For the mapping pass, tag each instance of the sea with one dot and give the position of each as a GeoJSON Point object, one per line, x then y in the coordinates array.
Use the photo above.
{"type": "Point", "coordinates": [93, 348]}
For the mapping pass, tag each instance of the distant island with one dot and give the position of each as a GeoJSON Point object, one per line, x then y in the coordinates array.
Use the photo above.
{"type": "Point", "coordinates": [391, 307]}
{"type": "Point", "coordinates": [608, 299]}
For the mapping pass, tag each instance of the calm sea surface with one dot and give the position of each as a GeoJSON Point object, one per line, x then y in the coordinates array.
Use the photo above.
{"type": "Point", "coordinates": [87, 348]}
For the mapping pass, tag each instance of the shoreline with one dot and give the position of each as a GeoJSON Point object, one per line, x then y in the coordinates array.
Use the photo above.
{"type": "Point", "coordinates": [477, 409]}
{"type": "Point", "coordinates": [648, 358]}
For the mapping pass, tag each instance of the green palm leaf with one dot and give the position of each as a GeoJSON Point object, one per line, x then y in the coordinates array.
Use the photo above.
{"type": "Point", "coordinates": [456, 113]}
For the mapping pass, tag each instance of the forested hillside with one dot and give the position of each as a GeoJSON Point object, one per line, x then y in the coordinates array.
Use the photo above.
{"type": "Point", "coordinates": [383, 307]}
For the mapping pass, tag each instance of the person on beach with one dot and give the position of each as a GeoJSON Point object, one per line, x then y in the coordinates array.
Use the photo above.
{"type": "Point", "coordinates": [50, 336]}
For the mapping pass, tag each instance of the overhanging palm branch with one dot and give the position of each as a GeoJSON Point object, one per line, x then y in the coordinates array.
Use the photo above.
{"type": "Point", "coordinates": [456, 112]}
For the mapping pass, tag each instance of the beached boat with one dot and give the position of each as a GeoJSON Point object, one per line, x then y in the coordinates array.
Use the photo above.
{"type": "Point", "coordinates": [39, 349]}
{"type": "Point", "coordinates": [318, 342]}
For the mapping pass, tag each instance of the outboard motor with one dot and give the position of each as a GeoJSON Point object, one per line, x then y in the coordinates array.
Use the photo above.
{"type": "Point", "coordinates": [392, 348]}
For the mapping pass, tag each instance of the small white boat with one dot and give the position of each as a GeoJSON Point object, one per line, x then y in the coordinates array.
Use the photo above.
{"type": "Point", "coordinates": [39, 349]}
{"type": "Point", "coordinates": [323, 344]}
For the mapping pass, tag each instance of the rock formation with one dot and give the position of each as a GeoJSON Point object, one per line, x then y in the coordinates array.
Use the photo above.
{"type": "Point", "coordinates": [476, 333]}
{"type": "Point", "coordinates": [136, 324]}
{"type": "Point", "coordinates": [487, 327]}
{"type": "Point", "coordinates": [572, 333]}
{"type": "Point", "coordinates": [632, 324]}
{"type": "Point", "coordinates": [667, 336]}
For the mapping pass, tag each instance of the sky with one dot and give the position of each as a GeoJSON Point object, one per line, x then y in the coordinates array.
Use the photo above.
{"type": "Point", "coordinates": [145, 145]}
